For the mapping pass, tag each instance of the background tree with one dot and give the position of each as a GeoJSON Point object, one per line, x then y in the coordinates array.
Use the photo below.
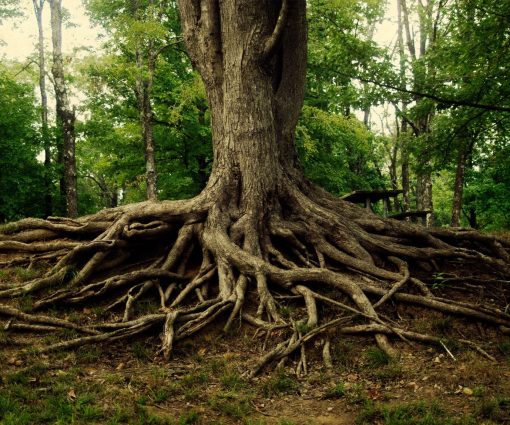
{"type": "Point", "coordinates": [8, 9]}
{"type": "Point", "coordinates": [141, 31]}
{"type": "Point", "coordinates": [48, 203]}
{"type": "Point", "coordinates": [65, 115]}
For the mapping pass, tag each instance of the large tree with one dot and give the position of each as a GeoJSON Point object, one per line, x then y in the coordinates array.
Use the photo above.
{"type": "Point", "coordinates": [257, 229]}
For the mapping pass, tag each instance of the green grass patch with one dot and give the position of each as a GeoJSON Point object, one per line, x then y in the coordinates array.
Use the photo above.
{"type": "Point", "coordinates": [336, 392]}
{"type": "Point", "coordinates": [231, 404]}
{"type": "Point", "coordinates": [494, 408]}
{"type": "Point", "coordinates": [280, 383]}
{"type": "Point", "coordinates": [343, 354]}
{"type": "Point", "coordinates": [389, 372]}
{"type": "Point", "coordinates": [414, 413]}
{"type": "Point", "coordinates": [232, 380]}
{"type": "Point", "coordinates": [376, 357]}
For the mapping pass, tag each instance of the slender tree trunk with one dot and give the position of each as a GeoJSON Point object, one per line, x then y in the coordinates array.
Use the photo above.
{"type": "Point", "coordinates": [65, 115]}
{"type": "Point", "coordinates": [404, 157]}
{"type": "Point", "coordinates": [472, 218]}
{"type": "Point", "coordinates": [48, 201]}
{"type": "Point", "coordinates": [366, 112]}
{"type": "Point", "coordinates": [404, 150]}
{"type": "Point", "coordinates": [424, 196]}
{"type": "Point", "coordinates": [144, 82]}
{"type": "Point", "coordinates": [465, 149]}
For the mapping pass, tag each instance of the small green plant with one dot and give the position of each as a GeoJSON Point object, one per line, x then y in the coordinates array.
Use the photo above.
{"type": "Point", "coordinates": [232, 380]}
{"type": "Point", "coordinates": [376, 358]}
{"type": "Point", "coordinates": [336, 392]}
{"type": "Point", "coordinates": [368, 414]}
{"type": "Point", "coordinates": [285, 311]}
{"type": "Point", "coordinates": [389, 372]}
{"type": "Point", "coordinates": [193, 379]}
{"type": "Point", "coordinates": [478, 391]}
{"type": "Point", "coordinates": [494, 408]}
{"type": "Point", "coordinates": [439, 279]}
{"type": "Point", "coordinates": [160, 394]}
{"type": "Point", "coordinates": [356, 395]}
{"type": "Point", "coordinates": [217, 366]}
{"type": "Point", "coordinates": [189, 418]}
{"type": "Point", "coordinates": [302, 327]}
{"type": "Point", "coordinates": [343, 354]}
{"type": "Point", "coordinates": [140, 351]}
{"type": "Point", "coordinates": [281, 383]}
{"type": "Point", "coordinates": [442, 325]}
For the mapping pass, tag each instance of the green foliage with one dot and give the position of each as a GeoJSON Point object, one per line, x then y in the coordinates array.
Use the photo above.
{"type": "Point", "coordinates": [232, 380]}
{"type": "Point", "coordinates": [337, 152]}
{"type": "Point", "coordinates": [9, 9]}
{"type": "Point", "coordinates": [21, 179]}
{"type": "Point", "coordinates": [488, 186]}
{"type": "Point", "coordinates": [112, 152]}
{"type": "Point", "coordinates": [341, 49]}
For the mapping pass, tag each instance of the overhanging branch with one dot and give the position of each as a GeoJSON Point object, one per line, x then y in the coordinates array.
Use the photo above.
{"type": "Point", "coordinates": [439, 99]}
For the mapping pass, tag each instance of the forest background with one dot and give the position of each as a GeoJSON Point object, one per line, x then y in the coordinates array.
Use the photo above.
{"type": "Point", "coordinates": [401, 94]}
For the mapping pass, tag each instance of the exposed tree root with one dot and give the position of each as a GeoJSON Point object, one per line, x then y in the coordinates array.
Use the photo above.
{"type": "Point", "coordinates": [200, 261]}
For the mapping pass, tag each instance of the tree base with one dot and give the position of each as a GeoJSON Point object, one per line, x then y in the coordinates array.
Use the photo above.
{"type": "Point", "coordinates": [177, 267]}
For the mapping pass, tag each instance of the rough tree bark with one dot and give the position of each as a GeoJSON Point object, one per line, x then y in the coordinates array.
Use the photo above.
{"type": "Point", "coordinates": [259, 232]}
{"type": "Point", "coordinates": [65, 114]}
{"type": "Point", "coordinates": [48, 202]}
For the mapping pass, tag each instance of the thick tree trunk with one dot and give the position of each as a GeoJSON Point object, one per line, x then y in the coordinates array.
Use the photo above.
{"type": "Point", "coordinates": [65, 115]}
{"type": "Point", "coordinates": [253, 65]}
{"type": "Point", "coordinates": [48, 202]}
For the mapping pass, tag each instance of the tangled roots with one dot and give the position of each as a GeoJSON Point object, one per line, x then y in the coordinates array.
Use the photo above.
{"type": "Point", "coordinates": [201, 262]}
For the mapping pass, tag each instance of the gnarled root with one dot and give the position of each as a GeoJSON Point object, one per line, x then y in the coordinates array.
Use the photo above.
{"type": "Point", "coordinates": [201, 262]}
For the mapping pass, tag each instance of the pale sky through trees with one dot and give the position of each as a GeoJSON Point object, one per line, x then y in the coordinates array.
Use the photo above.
{"type": "Point", "coordinates": [19, 39]}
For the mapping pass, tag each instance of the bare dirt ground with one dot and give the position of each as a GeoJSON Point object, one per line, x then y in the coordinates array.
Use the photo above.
{"type": "Point", "coordinates": [128, 383]}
